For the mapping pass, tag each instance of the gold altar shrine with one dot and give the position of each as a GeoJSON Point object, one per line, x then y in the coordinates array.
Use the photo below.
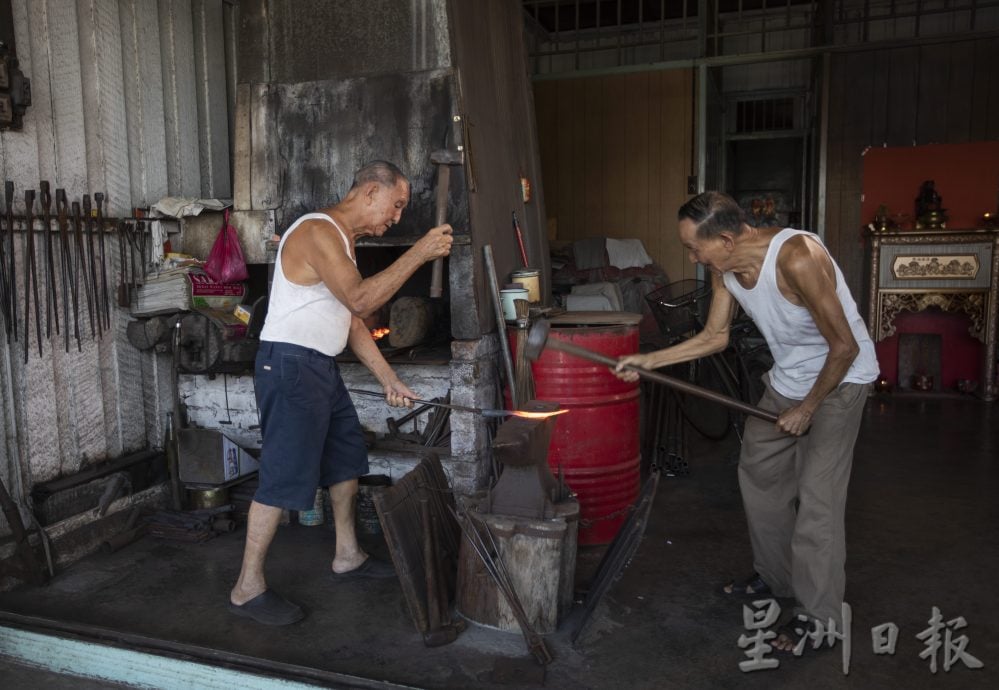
{"type": "Point", "coordinates": [953, 270]}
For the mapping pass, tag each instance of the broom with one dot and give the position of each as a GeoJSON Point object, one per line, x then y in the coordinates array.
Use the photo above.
{"type": "Point", "coordinates": [523, 377]}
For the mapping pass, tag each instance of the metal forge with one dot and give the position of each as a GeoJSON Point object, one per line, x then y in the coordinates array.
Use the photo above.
{"type": "Point", "coordinates": [526, 525]}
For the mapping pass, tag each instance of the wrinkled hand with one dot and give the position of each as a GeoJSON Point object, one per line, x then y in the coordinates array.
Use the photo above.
{"type": "Point", "coordinates": [436, 243]}
{"type": "Point", "coordinates": [397, 394]}
{"type": "Point", "coordinates": [631, 360]}
{"type": "Point", "coordinates": [795, 420]}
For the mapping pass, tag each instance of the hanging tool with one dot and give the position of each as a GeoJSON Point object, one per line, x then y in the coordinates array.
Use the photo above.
{"type": "Point", "coordinates": [81, 263]}
{"type": "Point", "coordinates": [443, 159]}
{"type": "Point", "coordinates": [4, 282]}
{"type": "Point", "coordinates": [538, 340]}
{"type": "Point", "coordinates": [62, 224]}
{"type": "Point", "coordinates": [51, 303]}
{"type": "Point", "coordinates": [74, 267]}
{"type": "Point", "coordinates": [8, 189]}
{"type": "Point", "coordinates": [30, 274]}
{"type": "Point", "coordinates": [124, 296]}
{"type": "Point", "coordinates": [90, 272]}
{"type": "Point", "coordinates": [105, 302]}
{"type": "Point", "coordinates": [520, 239]}
{"type": "Point", "coordinates": [132, 244]}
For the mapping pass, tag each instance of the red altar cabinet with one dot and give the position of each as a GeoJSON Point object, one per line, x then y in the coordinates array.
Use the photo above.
{"type": "Point", "coordinates": [953, 271]}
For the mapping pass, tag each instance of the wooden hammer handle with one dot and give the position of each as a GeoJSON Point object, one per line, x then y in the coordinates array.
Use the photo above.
{"type": "Point", "coordinates": [443, 183]}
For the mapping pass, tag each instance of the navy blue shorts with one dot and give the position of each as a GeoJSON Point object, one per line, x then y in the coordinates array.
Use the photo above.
{"type": "Point", "coordinates": [311, 434]}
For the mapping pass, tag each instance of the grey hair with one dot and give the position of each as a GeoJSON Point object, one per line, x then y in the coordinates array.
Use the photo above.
{"type": "Point", "coordinates": [382, 172]}
{"type": "Point", "coordinates": [712, 213]}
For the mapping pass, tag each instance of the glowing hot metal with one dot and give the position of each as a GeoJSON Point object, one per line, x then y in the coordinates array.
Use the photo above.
{"type": "Point", "coordinates": [535, 415]}
{"type": "Point", "coordinates": [485, 412]}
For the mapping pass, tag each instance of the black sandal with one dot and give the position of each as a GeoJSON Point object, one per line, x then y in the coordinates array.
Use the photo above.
{"type": "Point", "coordinates": [801, 633]}
{"type": "Point", "coordinates": [793, 633]}
{"type": "Point", "coordinates": [269, 608]}
{"type": "Point", "coordinates": [752, 587]}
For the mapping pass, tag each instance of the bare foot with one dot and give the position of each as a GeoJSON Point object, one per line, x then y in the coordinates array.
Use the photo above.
{"type": "Point", "coordinates": [784, 642]}
{"type": "Point", "coordinates": [241, 594]}
{"type": "Point", "coordinates": [347, 562]}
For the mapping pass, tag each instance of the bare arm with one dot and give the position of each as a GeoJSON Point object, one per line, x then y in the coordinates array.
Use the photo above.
{"type": "Point", "coordinates": [322, 253]}
{"type": "Point", "coordinates": [363, 345]}
{"type": "Point", "coordinates": [808, 273]}
{"type": "Point", "coordinates": [714, 337]}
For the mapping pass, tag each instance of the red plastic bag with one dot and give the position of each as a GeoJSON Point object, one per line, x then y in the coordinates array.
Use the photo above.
{"type": "Point", "coordinates": [225, 261]}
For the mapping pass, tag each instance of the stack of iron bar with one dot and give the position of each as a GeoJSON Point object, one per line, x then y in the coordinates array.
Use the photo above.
{"type": "Point", "coordinates": [193, 525]}
{"type": "Point", "coordinates": [436, 432]}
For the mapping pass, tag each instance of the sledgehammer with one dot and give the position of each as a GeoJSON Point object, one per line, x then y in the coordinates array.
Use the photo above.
{"type": "Point", "coordinates": [537, 341]}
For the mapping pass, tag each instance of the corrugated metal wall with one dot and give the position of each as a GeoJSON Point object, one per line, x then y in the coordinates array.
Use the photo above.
{"type": "Point", "coordinates": [943, 93]}
{"type": "Point", "coordinates": [129, 99]}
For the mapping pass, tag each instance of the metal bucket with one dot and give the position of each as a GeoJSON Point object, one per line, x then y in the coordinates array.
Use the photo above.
{"type": "Point", "coordinates": [314, 516]}
{"type": "Point", "coordinates": [201, 499]}
{"type": "Point", "coordinates": [595, 445]}
{"type": "Point", "coordinates": [367, 515]}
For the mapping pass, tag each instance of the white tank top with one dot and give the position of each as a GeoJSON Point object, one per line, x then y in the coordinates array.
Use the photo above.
{"type": "Point", "coordinates": [798, 348]}
{"type": "Point", "coordinates": [306, 315]}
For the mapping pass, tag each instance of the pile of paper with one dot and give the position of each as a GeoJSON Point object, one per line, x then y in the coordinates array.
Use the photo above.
{"type": "Point", "coordinates": [183, 289]}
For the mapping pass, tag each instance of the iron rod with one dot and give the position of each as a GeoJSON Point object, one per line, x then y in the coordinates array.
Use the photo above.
{"type": "Point", "coordinates": [690, 388]}
{"type": "Point", "coordinates": [458, 408]}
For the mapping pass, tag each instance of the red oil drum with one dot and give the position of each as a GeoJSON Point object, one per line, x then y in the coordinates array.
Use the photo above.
{"type": "Point", "coordinates": [595, 445]}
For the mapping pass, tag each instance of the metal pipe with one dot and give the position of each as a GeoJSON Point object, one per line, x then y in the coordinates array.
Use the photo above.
{"type": "Point", "coordinates": [771, 56]}
{"type": "Point", "coordinates": [487, 252]}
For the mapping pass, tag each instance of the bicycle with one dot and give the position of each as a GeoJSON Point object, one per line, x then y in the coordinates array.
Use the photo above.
{"type": "Point", "coordinates": [680, 309]}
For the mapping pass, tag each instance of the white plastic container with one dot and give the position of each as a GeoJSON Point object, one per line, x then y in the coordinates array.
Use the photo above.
{"type": "Point", "coordinates": [507, 297]}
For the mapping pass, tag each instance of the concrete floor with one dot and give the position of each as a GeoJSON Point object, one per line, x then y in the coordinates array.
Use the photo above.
{"type": "Point", "coordinates": [922, 522]}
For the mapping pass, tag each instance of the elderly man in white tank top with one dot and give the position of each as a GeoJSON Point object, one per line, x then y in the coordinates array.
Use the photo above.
{"type": "Point", "coordinates": [793, 484]}
{"type": "Point", "coordinates": [311, 435]}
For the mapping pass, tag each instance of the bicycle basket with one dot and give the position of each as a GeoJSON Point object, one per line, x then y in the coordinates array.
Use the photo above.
{"type": "Point", "coordinates": [679, 307]}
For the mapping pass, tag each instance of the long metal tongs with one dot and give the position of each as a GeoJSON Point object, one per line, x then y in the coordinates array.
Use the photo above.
{"type": "Point", "coordinates": [30, 275]}
{"type": "Point", "coordinates": [66, 264]}
{"type": "Point", "coordinates": [483, 411]}
{"type": "Point", "coordinates": [105, 300]}
{"type": "Point", "coordinates": [90, 271]}
{"type": "Point", "coordinates": [81, 261]}
{"type": "Point", "coordinates": [51, 299]}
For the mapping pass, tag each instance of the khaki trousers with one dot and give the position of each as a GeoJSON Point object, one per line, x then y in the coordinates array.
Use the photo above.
{"type": "Point", "coordinates": [794, 493]}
